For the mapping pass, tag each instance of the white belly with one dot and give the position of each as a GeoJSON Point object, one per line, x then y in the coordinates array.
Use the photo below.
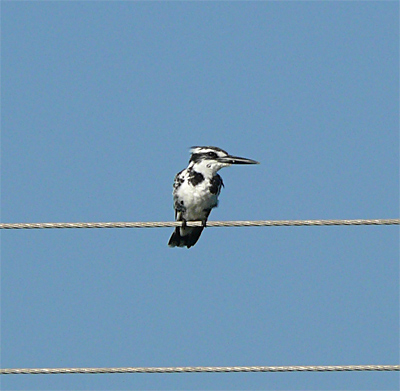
{"type": "Point", "coordinates": [197, 200]}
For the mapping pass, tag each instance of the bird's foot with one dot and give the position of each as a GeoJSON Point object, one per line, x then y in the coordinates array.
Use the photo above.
{"type": "Point", "coordinates": [184, 224]}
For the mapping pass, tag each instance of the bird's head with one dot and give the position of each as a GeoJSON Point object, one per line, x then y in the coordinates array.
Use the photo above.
{"type": "Point", "coordinates": [213, 159]}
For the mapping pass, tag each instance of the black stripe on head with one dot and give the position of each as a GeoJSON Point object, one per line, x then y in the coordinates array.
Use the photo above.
{"type": "Point", "coordinates": [196, 157]}
{"type": "Point", "coordinates": [200, 153]}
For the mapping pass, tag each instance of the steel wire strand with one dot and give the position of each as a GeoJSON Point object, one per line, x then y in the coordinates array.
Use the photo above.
{"type": "Point", "coordinates": [316, 368]}
{"type": "Point", "coordinates": [164, 224]}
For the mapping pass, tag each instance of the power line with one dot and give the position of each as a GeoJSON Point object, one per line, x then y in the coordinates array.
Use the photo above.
{"type": "Point", "coordinates": [164, 224]}
{"type": "Point", "coordinates": [320, 368]}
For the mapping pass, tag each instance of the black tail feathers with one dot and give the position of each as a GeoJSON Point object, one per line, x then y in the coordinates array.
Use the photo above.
{"type": "Point", "coordinates": [190, 238]}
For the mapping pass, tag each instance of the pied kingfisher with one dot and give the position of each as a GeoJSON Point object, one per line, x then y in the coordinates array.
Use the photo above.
{"type": "Point", "coordinates": [196, 191]}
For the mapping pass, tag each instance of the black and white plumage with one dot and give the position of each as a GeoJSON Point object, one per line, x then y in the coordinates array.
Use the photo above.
{"type": "Point", "coordinates": [196, 191]}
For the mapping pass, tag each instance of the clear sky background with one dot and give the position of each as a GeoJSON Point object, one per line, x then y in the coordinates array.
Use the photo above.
{"type": "Point", "coordinates": [101, 102]}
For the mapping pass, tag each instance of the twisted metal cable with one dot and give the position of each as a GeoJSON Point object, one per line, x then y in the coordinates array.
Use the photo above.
{"type": "Point", "coordinates": [318, 368]}
{"type": "Point", "coordinates": [163, 224]}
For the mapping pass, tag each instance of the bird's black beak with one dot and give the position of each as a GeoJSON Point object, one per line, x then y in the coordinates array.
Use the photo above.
{"type": "Point", "coordinates": [236, 160]}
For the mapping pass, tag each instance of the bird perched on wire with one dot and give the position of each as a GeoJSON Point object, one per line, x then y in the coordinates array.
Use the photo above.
{"type": "Point", "coordinates": [196, 191]}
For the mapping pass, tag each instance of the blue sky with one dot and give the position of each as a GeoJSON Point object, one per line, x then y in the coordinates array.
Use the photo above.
{"type": "Point", "coordinates": [100, 104]}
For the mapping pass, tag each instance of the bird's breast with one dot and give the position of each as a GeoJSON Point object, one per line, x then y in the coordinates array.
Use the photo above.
{"type": "Point", "coordinates": [196, 200]}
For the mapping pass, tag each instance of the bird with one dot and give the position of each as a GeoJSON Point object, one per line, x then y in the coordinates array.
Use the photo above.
{"type": "Point", "coordinates": [196, 190]}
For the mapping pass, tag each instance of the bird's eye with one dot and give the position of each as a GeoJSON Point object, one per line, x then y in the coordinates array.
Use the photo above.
{"type": "Point", "coordinates": [211, 154]}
